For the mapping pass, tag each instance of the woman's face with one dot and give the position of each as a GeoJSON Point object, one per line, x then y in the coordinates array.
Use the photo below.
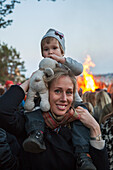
{"type": "Point", "coordinates": [61, 95]}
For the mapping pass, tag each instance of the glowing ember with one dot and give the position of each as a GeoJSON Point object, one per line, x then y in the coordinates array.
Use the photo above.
{"type": "Point", "coordinates": [87, 83]}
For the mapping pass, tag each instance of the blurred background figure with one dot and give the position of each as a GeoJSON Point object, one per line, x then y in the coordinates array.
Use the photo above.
{"type": "Point", "coordinates": [107, 134]}
{"type": "Point", "coordinates": [92, 98]}
{"type": "Point", "coordinates": [102, 98]}
{"type": "Point", "coordinates": [2, 90]}
{"type": "Point", "coordinates": [80, 92]}
{"type": "Point", "coordinates": [89, 107]}
{"type": "Point", "coordinates": [85, 96]}
{"type": "Point", "coordinates": [8, 84]}
{"type": "Point", "coordinates": [89, 99]}
{"type": "Point", "coordinates": [107, 109]}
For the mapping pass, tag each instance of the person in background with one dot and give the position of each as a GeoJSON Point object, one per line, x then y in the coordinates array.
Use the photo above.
{"type": "Point", "coordinates": [89, 107]}
{"type": "Point", "coordinates": [80, 92]}
{"type": "Point", "coordinates": [89, 96]}
{"type": "Point", "coordinates": [85, 96]}
{"type": "Point", "coordinates": [102, 98]}
{"type": "Point", "coordinates": [107, 134]}
{"type": "Point", "coordinates": [107, 109]}
{"type": "Point", "coordinates": [2, 90]}
{"type": "Point", "coordinates": [8, 84]}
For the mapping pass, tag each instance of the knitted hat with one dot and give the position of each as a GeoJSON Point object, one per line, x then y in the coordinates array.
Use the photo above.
{"type": "Point", "coordinates": [56, 34]}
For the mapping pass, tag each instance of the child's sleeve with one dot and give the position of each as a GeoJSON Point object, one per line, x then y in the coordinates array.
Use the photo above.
{"type": "Point", "coordinates": [76, 67]}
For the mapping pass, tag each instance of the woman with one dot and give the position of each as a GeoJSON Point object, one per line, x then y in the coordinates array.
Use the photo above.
{"type": "Point", "coordinates": [59, 153]}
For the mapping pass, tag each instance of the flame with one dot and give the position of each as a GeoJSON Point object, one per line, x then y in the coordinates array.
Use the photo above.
{"type": "Point", "coordinates": [87, 83]}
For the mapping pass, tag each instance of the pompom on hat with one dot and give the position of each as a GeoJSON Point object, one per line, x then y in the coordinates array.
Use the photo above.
{"type": "Point", "coordinates": [56, 34]}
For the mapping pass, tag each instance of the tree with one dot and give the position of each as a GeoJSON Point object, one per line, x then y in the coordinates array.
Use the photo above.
{"type": "Point", "coordinates": [6, 9]}
{"type": "Point", "coordinates": [10, 64]}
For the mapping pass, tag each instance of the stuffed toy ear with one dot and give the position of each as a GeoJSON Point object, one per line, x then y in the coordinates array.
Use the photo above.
{"type": "Point", "coordinates": [48, 63]}
{"type": "Point", "coordinates": [48, 72]}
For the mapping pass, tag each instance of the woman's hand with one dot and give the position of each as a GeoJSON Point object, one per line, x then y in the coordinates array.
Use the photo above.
{"type": "Point", "coordinates": [88, 120]}
{"type": "Point", "coordinates": [25, 85]}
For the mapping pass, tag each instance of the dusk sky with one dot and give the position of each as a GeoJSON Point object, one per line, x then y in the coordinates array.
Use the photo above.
{"type": "Point", "coordinates": [87, 26]}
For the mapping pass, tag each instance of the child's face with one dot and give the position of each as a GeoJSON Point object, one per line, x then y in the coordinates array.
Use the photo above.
{"type": "Point", "coordinates": [51, 48]}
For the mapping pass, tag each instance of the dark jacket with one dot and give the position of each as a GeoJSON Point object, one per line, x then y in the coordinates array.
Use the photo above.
{"type": "Point", "coordinates": [59, 153]}
{"type": "Point", "coordinates": [9, 151]}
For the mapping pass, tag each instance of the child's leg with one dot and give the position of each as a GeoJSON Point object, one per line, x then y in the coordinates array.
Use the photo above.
{"type": "Point", "coordinates": [34, 127]}
{"type": "Point", "coordinates": [34, 121]}
{"type": "Point", "coordinates": [80, 139]}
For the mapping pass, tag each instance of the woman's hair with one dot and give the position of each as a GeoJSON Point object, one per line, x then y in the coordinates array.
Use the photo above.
{"type": "Point", "coordinates": [58, 72]}
{"type": "Point", "coordinates": [48, 40]}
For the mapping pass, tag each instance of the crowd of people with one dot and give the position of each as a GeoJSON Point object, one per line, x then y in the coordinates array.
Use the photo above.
{"type": "Point", "coordinates": [5, 87]}
{"type": "Point", "coordinates": [77, 131]}
{"type": "Point", "coordinates": [101, 106]}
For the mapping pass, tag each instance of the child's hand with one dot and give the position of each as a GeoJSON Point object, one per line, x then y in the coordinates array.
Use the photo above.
{"type": "Point", "coordinates": [57, 58]}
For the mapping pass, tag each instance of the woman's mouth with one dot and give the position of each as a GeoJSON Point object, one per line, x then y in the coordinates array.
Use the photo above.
{"type": "Point", "coordinates": [61, 107]}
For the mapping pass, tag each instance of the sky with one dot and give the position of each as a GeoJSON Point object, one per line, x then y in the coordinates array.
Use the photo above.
{"type": "Point", "coordinates": [87, 26]}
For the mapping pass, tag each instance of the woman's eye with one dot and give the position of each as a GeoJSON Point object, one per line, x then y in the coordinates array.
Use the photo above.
{"type": "Point", "coordinates": [57, 91]}
{"type": "Point", "coordinates": [69, 92]}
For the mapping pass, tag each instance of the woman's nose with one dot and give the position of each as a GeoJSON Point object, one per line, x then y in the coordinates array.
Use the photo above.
{"type": "Point", "coordinates": [64, 97]}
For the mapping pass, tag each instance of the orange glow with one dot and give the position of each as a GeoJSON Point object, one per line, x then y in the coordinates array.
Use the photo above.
{"type": "Point", "coordinates": [87, 82]}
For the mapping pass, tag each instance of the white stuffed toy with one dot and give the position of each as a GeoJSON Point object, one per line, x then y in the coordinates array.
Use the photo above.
{"type": "Point", "coordinates": [37, 84]}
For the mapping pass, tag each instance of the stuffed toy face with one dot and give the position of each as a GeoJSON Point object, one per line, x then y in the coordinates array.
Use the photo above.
{"type": "Point", "coordinates": [37, 84]}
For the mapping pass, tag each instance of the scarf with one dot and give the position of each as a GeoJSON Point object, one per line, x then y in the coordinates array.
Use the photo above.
{"type": "Point", "coordinates": [53, 121]}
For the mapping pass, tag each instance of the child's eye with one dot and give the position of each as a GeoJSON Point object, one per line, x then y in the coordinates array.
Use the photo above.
{"type": "Point", "coordinates": [54, 48]}
{"type": "Point", "coordinates": [45, 49]}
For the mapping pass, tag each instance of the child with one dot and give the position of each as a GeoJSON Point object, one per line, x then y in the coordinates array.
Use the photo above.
{"type": "Point", "coordinates": [53, 46]}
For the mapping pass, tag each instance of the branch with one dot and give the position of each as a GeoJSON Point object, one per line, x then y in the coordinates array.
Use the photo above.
{"type": "Point", "coordinates": [6, 9]}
